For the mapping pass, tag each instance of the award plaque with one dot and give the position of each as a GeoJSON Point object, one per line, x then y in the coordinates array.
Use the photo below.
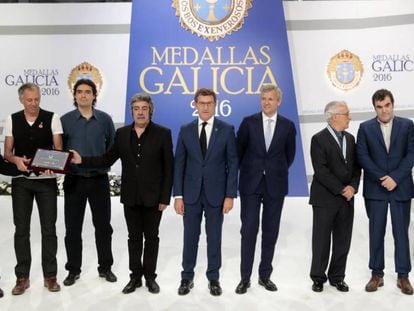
{"type": "Point", "coordinates": [54, 160]}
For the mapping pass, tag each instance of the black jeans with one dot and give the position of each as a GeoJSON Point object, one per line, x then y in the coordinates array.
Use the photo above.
{"type": "Point", "coordinates": [44, 191]}
{"type": "Point", "coordinates": [143, 223]}
{"type": "Point", "coordinates": [95, 190]}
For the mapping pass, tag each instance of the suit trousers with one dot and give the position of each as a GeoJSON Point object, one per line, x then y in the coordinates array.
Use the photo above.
{"type": "Point", "coordinates": [400, 219]}
{"type": "Point", "coordinates": [44, 192]}
{"type": "Point", "coordinates": [143, 223]}
{"type": "Point", "coordinates": [250, 218]}
{"type": "Point", "coordinates": [213, 225]}
{"type": "Point", "coordinates": [78, 191]}
{"type": "Point", "coordinates": [331, 223]}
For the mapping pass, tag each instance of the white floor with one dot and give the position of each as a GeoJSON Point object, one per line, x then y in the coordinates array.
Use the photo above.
{"type": "Point", "coordinates": [291, 270]}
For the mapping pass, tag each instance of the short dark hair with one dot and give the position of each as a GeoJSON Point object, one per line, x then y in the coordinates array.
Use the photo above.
{"type": "Point", "coordinates": [205, 92]}
{"type": "Point", "coordinates": [87, 82]}
{"type": "Point", "coordinates": [380, 95]}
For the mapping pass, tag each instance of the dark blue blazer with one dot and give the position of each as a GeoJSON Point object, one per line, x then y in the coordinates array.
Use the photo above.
{"type": "Point", "coordinates": [377, 162]}
{"type": "Point", "coordinates": [216, 173]}
{"type": "Point", "coordinates": [254, 159]}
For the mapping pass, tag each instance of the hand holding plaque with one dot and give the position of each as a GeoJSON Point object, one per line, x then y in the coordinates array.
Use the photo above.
{"type": "Point", "coordinates": [53, 160]}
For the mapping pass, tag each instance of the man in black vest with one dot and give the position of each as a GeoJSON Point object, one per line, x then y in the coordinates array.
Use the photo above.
{"type": "Point", "coordinates": [26, 131]}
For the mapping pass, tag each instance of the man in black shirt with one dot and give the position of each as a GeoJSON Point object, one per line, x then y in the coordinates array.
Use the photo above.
{"type": "Point", "coordinates": [145, 150]}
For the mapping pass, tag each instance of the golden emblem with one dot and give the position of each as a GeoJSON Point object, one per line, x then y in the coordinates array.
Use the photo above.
{"type": "Point", "coordinates": [212, 19]}
{"type": "Point", "coordinates": [345, 70]}
{"type": "Point", "coordinates": [85, 71]}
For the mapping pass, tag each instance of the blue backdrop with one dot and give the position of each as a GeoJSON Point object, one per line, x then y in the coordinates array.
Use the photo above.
{"type": "Point", "coordinates": [169, 61]}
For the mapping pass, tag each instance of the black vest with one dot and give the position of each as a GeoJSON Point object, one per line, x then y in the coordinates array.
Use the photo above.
{"type": "Point", "coordinates": [28, 138]}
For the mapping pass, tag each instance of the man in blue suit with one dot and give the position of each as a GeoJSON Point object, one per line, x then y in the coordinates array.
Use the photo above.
{"type": "Point", "coordinates": [205, 181]}
{"type": "Point", "coordinates": [266, 148]}
{"type": "Point", "coordinates": [385, 149]}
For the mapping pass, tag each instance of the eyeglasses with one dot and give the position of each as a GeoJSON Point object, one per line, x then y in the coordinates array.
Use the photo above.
{"type": "Point", "coordinates": [342, 113]}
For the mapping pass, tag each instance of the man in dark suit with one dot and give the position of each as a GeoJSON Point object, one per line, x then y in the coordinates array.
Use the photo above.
{"type": "Point", "coordinates": [266, 148]}
{"type": "Point", "coordinates": [385, 149]}
{"type": "Point", "coordinates": [335, 182]}
{"type": "Point", "coordinates": [205, 181]}
{"type": "Point", "coordinates": [145, 150]}
{"type": "Point", "coordinates": [10, 170]}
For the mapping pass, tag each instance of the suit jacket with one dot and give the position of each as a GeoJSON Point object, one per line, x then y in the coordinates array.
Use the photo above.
{"type": "Point", "coordinates": [255, 160]}
{"type": "Point", "coordinates": [332, 172]}
{"type": "Point", "coordinates": [216, 173]}
{"type": "Point", "coordinates": [152, 180]}
{"type": "Point", "coordinates": [7, 168]}
{"type": "Point", "coordinates": [377, 162]}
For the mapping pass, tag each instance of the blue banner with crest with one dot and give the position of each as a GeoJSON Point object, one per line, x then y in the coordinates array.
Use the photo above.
{"type": "Point", "coordinates": [230, 46]}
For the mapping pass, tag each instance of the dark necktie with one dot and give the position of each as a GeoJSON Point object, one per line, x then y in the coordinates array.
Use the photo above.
{"type": "Point", "coordinates": [340, 136]}
{"type": "Point", "coordinates": [203, 139]}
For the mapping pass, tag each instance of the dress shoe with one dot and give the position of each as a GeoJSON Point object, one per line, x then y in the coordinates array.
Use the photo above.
{"type": "Point", "coordinates": [1, 293]}
{"type": "Point", "coordinates": [405, 286]}
{"type": "Point", "coordinates": [51, 284]}
{"type": "Point", "coordinates": [268, 284]}
{"type": "Point", "coordinates": [21, 285]}
{"type": "Point", "coordinates": [185, 287]}
{"type": "Point", "coordinates": [132, 285]}
{"type": "Point", "coordinates": [215, 288]}
{"type": "Point", "coordinates": [373, 284]}
{"type": "Point", "coordinates": [242, 287]}
{"type": "Point", "coordinates": [317, 286]}
{"type": "Point", "coordinates": [152, 286]}
{"type": "Point", "coordinates": [71, 279]}
{"type": "Point", "coordinates": [108, 275]}
{"type": "Point", "coordinates": [341, 286]}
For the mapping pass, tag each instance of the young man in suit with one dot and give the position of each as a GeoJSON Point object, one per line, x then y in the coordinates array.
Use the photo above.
{"type": "Point", "coordinates": [385, 149]}
{"type": "Point", "coordinates": [205, 181]}
{"type": "Point", "coordinates": [145, 150]}
{"type": "Point", "coordinates": [266, 148]}
{"type": "Point", "coordinates": [335, 182]}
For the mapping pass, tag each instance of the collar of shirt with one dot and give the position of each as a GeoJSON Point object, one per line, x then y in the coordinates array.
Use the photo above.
{"type": "Point", "coordinates": [265, 118]}
{"type": "Point", "coordinates": [208, 128]}
{"type": "Point", "coordinates": [388, 125]}
{"type": "Point", "coordinates": [333, 133]}
{"type": "Point", "coordinates": [79, 115]}
{"type": "Point", "coordinates": [147, 128]}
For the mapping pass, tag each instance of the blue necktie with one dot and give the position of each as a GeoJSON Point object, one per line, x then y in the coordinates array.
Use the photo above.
{"type": "Point", "coordinates": [268, 133]}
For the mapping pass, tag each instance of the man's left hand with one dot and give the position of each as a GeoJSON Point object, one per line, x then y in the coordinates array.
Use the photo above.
{"type": "Point", "coordinates": [227, 205]}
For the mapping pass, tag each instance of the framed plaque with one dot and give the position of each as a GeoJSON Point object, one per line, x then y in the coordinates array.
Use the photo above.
{"type": "Point", "coordinates": [54, 160]}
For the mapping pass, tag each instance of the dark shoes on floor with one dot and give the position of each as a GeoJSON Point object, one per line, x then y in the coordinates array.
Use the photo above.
{"type": "Point", "coordinates": [405, 286]}
{"type": "Point", "coordinates": [71, 279]}
{"type": "Point", "coordinates": [374, 283]}
{"type": "Point", "coordinates": [152, 286]}
{"type": "Point", "coordinates": [108, 275]}
{"type": "Point", "coordinates": [21, 285]}
{"type": "Point", "coordinates": [340, 285]}
{"type": "Point", "coordinates": [185, 287]}
{"type": "Point", "coordinates": [1, 293]}
{"type": "Point", "coordinates": [132, 285]}
{"type": "Point", "coordinates": [268, 284]}
{"type": "Point", "coordinates": [215, 288]}
{"type": "Point", "coordinates": [242, 287]}
{"type": "Point", "coordinates": [317, 286]}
